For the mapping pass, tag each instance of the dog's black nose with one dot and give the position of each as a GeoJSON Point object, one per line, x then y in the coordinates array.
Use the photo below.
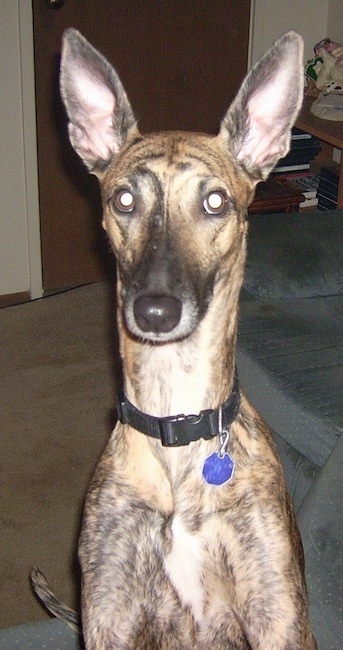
{"type": "Point", "coordinates": [158, 314]}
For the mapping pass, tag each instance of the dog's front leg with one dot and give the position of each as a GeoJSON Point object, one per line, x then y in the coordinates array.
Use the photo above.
{"type": "Point", "coordinates": [128, 602]}
{"type": "Point", "coordinates": [271, 592]}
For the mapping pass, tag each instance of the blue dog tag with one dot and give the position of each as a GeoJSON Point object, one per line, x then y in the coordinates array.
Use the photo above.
{"type": "Point", "coordinates": [218, 468]}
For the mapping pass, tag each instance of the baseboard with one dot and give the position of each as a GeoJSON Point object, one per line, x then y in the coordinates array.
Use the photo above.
{"type": "Point", "coordinates": [14, 298]}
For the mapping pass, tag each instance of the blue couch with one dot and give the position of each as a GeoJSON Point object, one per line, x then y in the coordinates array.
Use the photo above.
{"type": "Point", "coordinates": [290, 362]}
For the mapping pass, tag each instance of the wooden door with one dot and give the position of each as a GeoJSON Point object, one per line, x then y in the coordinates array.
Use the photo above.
{"type": "Point", "coordinates": [181, 62]}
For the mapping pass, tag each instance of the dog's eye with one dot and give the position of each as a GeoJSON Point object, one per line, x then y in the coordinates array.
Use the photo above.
{"type": "Point", "coordinates": [215, 203]}
{"type": "Point", "coordinates": [124, 200]}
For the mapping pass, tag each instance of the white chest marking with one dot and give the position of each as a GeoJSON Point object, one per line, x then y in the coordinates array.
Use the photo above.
{"type": "Point", "coordinates": [184, 567]}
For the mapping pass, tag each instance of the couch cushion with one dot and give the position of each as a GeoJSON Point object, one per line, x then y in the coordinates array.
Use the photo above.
{"type": "Point", "coordinates": [300, 472]}
{"type": "Point", "coordinates": [295, 255]}
{"type": "Point", "coordinates": [320, 520]}
{"type": "Point", "coordinates": [290, 361]}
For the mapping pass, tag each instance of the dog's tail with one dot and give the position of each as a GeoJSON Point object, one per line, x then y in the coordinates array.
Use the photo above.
{"type": "Point", "coordinates": [51, 602]}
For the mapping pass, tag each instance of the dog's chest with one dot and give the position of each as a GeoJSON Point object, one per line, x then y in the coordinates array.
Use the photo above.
{"type": "Point", "coordinates": [184, 565]}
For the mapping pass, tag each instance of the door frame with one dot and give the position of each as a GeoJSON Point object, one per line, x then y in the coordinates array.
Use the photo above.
{"type": "Point", "coordinates": [30, 148]}
{"type": "Point", "coordinates": [30, 139]}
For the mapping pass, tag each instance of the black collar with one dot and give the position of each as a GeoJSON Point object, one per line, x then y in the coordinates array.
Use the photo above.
{"type": "Point", "coordinates": [179, 430]}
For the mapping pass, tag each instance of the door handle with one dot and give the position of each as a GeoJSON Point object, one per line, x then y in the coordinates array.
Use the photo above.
{"type": "Point", "coordinates": [54, 4]}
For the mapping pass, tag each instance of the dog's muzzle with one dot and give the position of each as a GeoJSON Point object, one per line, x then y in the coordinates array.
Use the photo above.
{"type": "Point", "coordinates": [157, 314]}
{"type": "Point", "coordinates": [164, 298]}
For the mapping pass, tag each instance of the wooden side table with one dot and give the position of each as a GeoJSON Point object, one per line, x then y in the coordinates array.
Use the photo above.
{"type": "Point", "coordinates": [327, 131]}
{"type": "Point", "coordinates": [275, 195]}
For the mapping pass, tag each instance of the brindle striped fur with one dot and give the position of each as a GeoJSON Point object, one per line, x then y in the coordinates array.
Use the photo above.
{"type": "Point", "coordinates": [167, 560]}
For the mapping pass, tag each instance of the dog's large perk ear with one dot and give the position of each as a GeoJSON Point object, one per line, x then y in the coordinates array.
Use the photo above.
{"type": "Point", "coordinates": [100, 115]}
{"type": "Point", "coordinates": [257, 126]}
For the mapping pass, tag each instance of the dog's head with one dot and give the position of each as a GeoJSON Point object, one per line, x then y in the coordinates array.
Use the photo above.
{"type": "Point", "coordinates": [175, 203]}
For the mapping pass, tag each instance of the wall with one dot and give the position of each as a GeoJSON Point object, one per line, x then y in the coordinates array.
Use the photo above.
{"type": "Point", "coordinates": [272, 18]}
{"type": "Point", "coordinates": [335, 20]}
{"type": "Point", "coordinates": [13, 233]}
{"type": "Point", "coordinates": [19, 219]}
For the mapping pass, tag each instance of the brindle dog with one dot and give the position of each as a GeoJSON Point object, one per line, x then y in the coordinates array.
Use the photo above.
{"type": "Point", "coordinates": [189, 539]}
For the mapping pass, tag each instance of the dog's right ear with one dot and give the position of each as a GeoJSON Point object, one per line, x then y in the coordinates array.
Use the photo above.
{"type": "Point", "coordinates": [100, 115]}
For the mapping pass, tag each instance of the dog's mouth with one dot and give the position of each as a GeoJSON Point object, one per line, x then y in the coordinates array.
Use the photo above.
{"type": "Point", "coordinates": [160, 318]}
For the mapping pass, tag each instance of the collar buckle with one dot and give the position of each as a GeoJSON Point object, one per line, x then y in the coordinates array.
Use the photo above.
{"type": "Point", "coordinates": [170, 431]}
{"type": "Point", "coordinates": [179, 430]}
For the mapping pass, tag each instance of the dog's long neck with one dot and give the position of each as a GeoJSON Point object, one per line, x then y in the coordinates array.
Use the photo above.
{"type": "Point", "coordinates": [189, 375]}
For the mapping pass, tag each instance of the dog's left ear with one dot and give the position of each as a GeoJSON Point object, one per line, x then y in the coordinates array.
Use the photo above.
{"type": "Point", "coordinates": [99, 112]}
{"type": "Point", "coordinates": [257, 126]}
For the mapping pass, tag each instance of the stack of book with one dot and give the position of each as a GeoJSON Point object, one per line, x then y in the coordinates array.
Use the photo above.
{"type": "Point", "coordinates": [328, 187]}
{"type": "Point", "coordinates": [308, 184]}
{"type": "Point", "coordinates": [295, 167]}
{"type": "Point", "coordinates": [304, 148]}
